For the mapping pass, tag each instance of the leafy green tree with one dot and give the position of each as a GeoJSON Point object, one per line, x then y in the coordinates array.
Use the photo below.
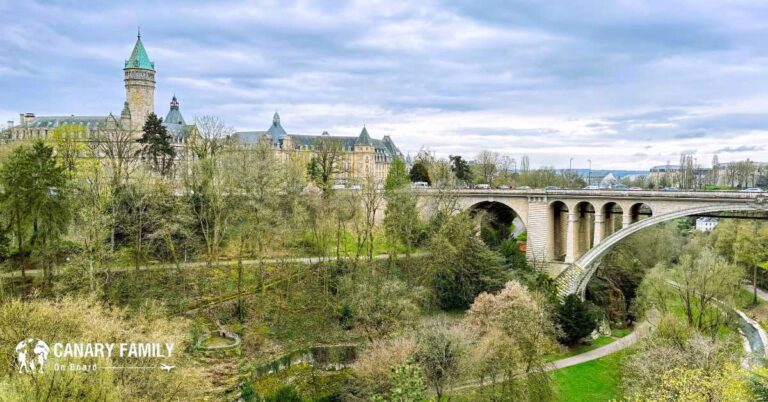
{"type": "Point", "coordinates": [69, 142]}
{"type": "Point", "coordinates": [257, 192]}
{"type": "Point", "coordinates": [408, 385]}
{"type": "Point", "coordinates": [157, 146]}
{"type": "Point", "coordinates": [461, 265]}
{"type": "Point", "coordinates": [576, 318]}
{"type": "Point", "coordinates": [35, 197]}
{"type": "Point", "coordinates": [419, 173]}
{"type": "Point", "coordinates": [401, 218]}
{"type": "Point", "coordinates": [749, 250]}
{"type": "Point", "coordinates": [91, 218]}
{"type": "Point", "coordinates": [397, 176]}
{"type": "Point", "coordinates": [461, 168]}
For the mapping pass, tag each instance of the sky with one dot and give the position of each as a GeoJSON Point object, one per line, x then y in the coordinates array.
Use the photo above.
{"type": "Point", "coordinates": [623, 84]}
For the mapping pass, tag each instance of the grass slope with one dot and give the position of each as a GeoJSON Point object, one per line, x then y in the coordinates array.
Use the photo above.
{"type": "Point", "coordinates": [596, 380]}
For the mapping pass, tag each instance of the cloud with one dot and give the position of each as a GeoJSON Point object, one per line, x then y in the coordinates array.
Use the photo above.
{"type": "Point", "coordinates": [742, 148]}
{"type": "Point", "coordinates": [623, 84]}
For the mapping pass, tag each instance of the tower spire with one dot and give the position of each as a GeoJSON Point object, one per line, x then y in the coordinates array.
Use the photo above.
{"type": "Point", "coordinates": [139, 34]}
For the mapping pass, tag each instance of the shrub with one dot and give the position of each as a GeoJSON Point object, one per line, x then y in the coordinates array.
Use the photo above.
{"type": "Point", "coordinates": [576, 318]}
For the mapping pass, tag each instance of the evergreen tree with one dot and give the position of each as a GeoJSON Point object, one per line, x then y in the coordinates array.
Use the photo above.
{"type": "Point", "coordinates": [576, 318]}
{"type": "Point", "coordinates": [419, 173]}
{"type": "Point", "coordinates": [397, 177]}
{"type": "Point", "coordinates": [460, 168]}
{"type": "Point", "coordinates": [35, 199]}
{"type": "Point", "coordinates": [157, 145]}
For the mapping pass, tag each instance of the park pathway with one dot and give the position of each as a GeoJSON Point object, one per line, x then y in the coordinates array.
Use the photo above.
{"type": "Point", "coordinates": [593, 354]}
{"type": "Point", "coordinates": [761, 294]}
{"type": "Point", "coordinates": [221, 263]}
{"type": "Point", "coordinates": [613, 347]}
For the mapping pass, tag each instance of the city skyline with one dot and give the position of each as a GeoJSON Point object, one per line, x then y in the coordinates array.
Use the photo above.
{"type": "Point", "coordinates": [455, 79]}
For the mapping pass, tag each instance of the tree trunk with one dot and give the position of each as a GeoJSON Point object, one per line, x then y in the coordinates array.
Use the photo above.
{"type": "Point", "coordinates": [754, 284]}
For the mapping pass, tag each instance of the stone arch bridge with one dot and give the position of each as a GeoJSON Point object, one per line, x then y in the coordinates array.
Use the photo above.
{"type": "Point", "coordinates": [569, 231]}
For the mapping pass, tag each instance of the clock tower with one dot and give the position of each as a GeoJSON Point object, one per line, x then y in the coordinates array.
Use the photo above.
{"type": "Point", "coordinates": [139, 86]}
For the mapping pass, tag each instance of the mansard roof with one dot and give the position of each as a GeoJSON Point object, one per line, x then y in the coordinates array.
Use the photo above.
{"type": "Point", "coordinates": [276, 134]}
{"type": "Point", "coordinates": [50, 122]}
{"type": "Point", "coordinates": [139, 58]}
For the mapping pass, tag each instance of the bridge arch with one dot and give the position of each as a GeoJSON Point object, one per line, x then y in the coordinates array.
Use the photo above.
{"type": "Point", "coordinates": [640, 211]}
{"type": "Point", "coordinates": [559, 215]}
{"type": "Point", "coordinates": [503, 215]}
{"type": "Point", "coordinates": [611, 218]}
{"type": "Point", "coordinates": [575, 278]}
{"type": "Point", "coordinates": [584, 230]}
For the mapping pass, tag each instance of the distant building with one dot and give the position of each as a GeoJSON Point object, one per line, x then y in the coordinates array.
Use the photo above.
{"type": "Point", "coordinates": [726, 174]}
{"type": "Point", "coordinates": [361, 155]}
{"type": "Point", "coordinates": [705, 224]}
{"type": "Point", "coordinates": [139, 82]}
{"type": "Point", "coordinates": [608, 181]}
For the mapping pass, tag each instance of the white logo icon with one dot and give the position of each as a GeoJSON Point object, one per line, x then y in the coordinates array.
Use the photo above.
{"type": "Point", "coordinates": [31, 355]}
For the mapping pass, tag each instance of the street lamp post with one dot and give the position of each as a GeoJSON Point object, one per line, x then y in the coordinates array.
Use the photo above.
{"type": "Point", "coordinates": [570, 173]}
{"type": "Point", "coordinates": [589, 176]}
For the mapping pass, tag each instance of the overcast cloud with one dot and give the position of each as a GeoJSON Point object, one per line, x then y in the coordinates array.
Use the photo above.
{"type": "Point", "coordinates": [626, 84]}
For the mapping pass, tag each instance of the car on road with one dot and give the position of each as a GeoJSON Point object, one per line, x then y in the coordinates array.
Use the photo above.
{"type": "Point", "coordinates": [592, 187]}
{"type": "Point", "coordinates": [483, 186]}
{"type": "Point", "coordinates": [669, 189]}
{"type": "Point", "coordinates": [419, 184]}
{"type": "Point", "coordinates": [523, 188]}
{"type": "Point", "coordinates": [752, 190]}
{"type": "Point", "coordinates": [635, 189]}
{"type": "Point", "coordinates": [338, 187]}
{"type": "Point", "coordinates": [619, 187]}
{"type": "Point", "coordinates": [550, 188]}
{"type": "Point", "coordinates": [503, 187]}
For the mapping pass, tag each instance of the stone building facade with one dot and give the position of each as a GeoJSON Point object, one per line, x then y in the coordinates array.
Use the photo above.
{"type": "Point", "coordinates": [360, 156]}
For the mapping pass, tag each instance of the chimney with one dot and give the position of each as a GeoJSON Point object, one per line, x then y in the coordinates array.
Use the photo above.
{"type": "Point", "coordinates": [10, 124]}
{"type": "Point", "coordinates": [28, 117]}
{"type": "Point", "coordinates": [21, 119]}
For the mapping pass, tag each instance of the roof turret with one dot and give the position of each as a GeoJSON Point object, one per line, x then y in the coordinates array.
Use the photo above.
{"type": "Point", "coordinates": [126, 113]}
{"type": "Point", "coordinates": [139, 58]}
{"type": "Point", "coordinates": [363, 138]}
{"type": "Point", "coordinates": [174, 114]}
{"type": "Point", "coordinates": [276, 131]}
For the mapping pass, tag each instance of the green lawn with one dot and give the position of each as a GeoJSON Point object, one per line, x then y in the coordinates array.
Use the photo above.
{"type": "Point", "coordinates": [593, 381]}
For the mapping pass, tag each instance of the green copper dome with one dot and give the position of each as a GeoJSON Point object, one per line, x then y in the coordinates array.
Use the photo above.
{"type": "Point", "coordinates": [139, 58]}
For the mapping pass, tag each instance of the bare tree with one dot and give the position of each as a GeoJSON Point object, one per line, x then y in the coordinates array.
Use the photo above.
{"type": "Point", "coordinates": [209, 135]}
{"type": "Point", "coordinates": [731, 173]}
{"type": "Point", "coordinates": [715, 173]}
{"type": "Point", "coordinates": [525, 164]}
{"type": "Point", "coordinates": [488, 162]}
{"type": "Point", "coordinates": [371, 197]}
{"type": "Point", "coordinates": [326, 162]}
{"type": "Point", "coordinates": [116, 143]}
